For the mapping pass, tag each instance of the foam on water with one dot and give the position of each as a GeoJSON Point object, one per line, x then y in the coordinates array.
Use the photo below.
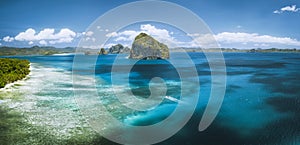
{"type": "Point", "coordinates": [48, 101]}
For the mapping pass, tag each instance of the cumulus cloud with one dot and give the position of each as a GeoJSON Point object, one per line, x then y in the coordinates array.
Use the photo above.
{"type": "Point", "coordinates": [28, 35]}
{"type": "Point", "coordinates": [43, 42]}
{"type": "Point", "coordinates": [262, 45]}
{"type": "Point", "coordinates": [229, 37]}
{"type": "Point", "coordinates": [152, 30]}
{"type": "Point", "coordinates": [89, 33]}
{"type": "Point", "coordinates": [204, 40]}
{"type": "Point", "coordinates": [253, 39]}
{"type": "Point", "coordinates": [127, 35]}
{"type": "Point", "coordinates": [65, 35]}
{"type": "Point", "coordinates": [239, 38]}
{"type": "Point", "coordinates": [8, 39]}
{"type": "Point", "coordinates": [30, 42]}
{"type": "Point", "coordinates": [277, 12]}
{"type": "Point", "coordinates": [112, 34]}
{"type": "Point", "coordinates": [161, 35]}
{"type": "Point", "coordinates": [292, 8]}
{"type": "Point", "coordinates": [87, 36]}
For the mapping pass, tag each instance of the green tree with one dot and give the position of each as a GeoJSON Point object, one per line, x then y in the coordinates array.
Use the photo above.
{"type": "Point", "coordinates": [12, 70]}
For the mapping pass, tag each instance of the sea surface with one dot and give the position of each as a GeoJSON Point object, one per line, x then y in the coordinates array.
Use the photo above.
{"type": "Point", "coordinates": [261, 105]}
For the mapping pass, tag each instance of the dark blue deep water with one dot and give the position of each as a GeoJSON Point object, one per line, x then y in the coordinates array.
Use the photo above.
{"type": "Point", "coordinates": [261, 105]}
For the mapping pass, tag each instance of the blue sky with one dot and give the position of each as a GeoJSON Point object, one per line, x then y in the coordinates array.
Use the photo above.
{"type": "Point", "coordinates": [240, 24]}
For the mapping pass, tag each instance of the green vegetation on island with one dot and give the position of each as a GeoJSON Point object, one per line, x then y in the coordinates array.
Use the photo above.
{"type": "Point", "coordinates": [146, 47]}
{"type": "Point", "coordinates": [138, 48]}
{"type": "Point", "coordinates": [12, 70]}
{"type": "Point", "coordinates": [119, 48]}
{"type": "Point", "coordinates": [35, 50]}
{"type": "Point", "coordinates": [102, 51]}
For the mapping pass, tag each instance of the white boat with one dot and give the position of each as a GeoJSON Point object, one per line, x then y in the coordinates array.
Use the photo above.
{"type": "Point", "coordinates": [172, 99]}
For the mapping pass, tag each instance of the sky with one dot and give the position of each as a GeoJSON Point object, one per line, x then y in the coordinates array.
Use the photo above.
{"type": "Point", "coordinates": [234, 24]}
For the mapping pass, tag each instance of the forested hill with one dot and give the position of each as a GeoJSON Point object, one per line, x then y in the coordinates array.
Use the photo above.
{"type": "Point", "coordinates": [12, 70]}
{"type": "Point", "coordinates": [48, 50]}
{"type": "Point", "coordinates": [35, 50]}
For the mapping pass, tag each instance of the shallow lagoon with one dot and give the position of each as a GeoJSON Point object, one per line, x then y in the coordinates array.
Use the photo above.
{"type": "Point", "coordinates": [261, 104]}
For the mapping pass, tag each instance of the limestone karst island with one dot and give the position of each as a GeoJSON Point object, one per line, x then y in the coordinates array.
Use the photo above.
{"type": "Point", "coordinates": [146, 47]}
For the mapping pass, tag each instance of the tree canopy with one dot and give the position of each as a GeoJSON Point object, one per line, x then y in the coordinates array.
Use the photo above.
{"type": "Point", "coordinates": [12, 70]}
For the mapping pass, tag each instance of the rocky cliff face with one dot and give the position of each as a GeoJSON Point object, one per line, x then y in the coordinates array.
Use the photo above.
{"type": "Point", "coordinates": [102, 51]}
{"type": "Point", "coordinates": [116, 49]}
{"type": "Point", "coordinates": [119, 48]}
{"type": "Point", "coordinates": [146, 47]}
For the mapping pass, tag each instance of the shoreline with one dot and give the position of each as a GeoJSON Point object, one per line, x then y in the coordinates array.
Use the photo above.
{"type": "Point", "coordinates": [9, 86]}
{"type": "Point", "coordinates": [43, 103]}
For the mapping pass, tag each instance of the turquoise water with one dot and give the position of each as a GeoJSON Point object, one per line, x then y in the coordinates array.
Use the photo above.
{"type": "Point", "coordinates": [261, 104]}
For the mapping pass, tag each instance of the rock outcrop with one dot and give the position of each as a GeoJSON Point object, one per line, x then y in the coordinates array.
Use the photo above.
{"type": "Point", "coordinates": [119, 48]}
{"type": "Point", "coordinates": [146, 47]}
{"type": "Point", "coordinates": [102, 51]}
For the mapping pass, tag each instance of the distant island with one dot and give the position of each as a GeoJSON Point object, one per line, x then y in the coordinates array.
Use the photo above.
{"type": "Point", "coordinates": [12, 70]}
{"type": "Point", "coordinates": [35, 50]}
{"type": "Point", "coordinates": [258, 50]}
{"type": "Point", "coordinates": [120, 49]}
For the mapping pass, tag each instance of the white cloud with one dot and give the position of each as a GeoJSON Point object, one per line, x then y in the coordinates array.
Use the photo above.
{"type": "Point", "coordinates": [30, 42]}
{"type": "Point", "coordinates": [89, 33]}
{"type": "Point", "coordinates": [122, 39]}
{"type": "Point", "coordinates": [89, 39]}
{"type": "Point", "coordinates": [292, 8]}
{"type": "Point", "coordinates": [194, 35]}
{"type": "Point", "coordinates": [261, 45]}
{"type": "Point", "coordinates": [204, 40]}
{"type": "Point", "coordinates": [61, 40]}
{"type": "Point", "coordinates": [65, 35]}
{"type": "Point", "coordinates": [28, 35]}
{"type": "Point", "coordinates": [0, 44]}
{"type": "Point", "coordinates": [110, 45]}
{"type": "Point", "coordinates": [87, 36]}
{"type": "Point", "coordinates": [8, 39]}
{"type": "Point", "coordinates": [277, 12]}
{"type": "Point", "coordinates": [239, 39]}
{"type": "Point", "coordinates": [44, 34]}
{"type": "Point", "coordinates": [112, 34]}
{"type": "Point", "coordinates": [43, 42]}
{"type": "Point", "coordinates": [127, 35]}
{"type": "Point", "coordinates": [80, 34]}
{"type": "Point", "coordinates": [229, 37]}
{"type": "Point", "coordinates": [161, 35]}
{"type": "Point", "coordinates": [152, 30]}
